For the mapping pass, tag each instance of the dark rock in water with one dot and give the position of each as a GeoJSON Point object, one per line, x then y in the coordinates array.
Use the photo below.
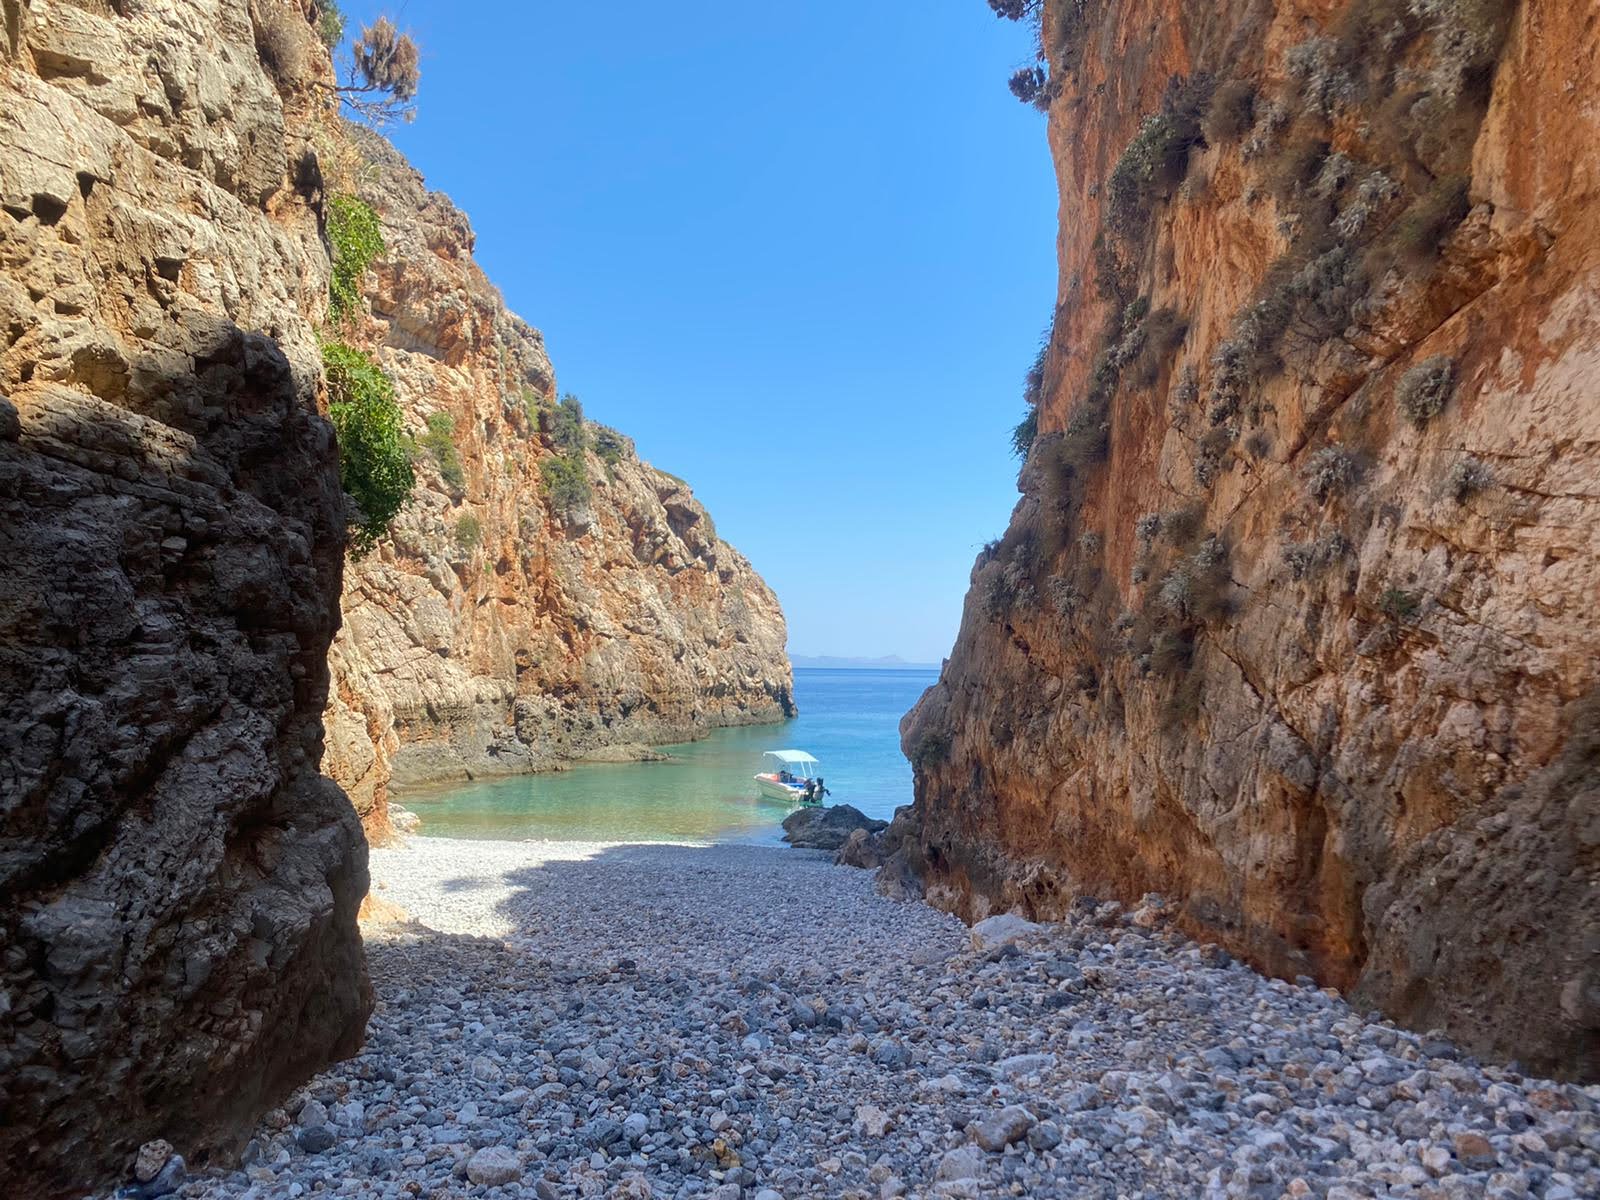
{"type": "Point", "coordinates": [827, 828]}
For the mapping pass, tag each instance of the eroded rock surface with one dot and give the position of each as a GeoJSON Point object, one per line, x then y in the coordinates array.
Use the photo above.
{"type": "Point", "coordinates": [178, 882]}
{"type": "Point", "coordinates": [1295, 621]}
{"type": "Point", "coordinates": [497, 631]}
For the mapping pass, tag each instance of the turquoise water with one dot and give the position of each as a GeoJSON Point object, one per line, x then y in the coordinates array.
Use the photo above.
{"type": "Point", "coordinates": [848, 718]}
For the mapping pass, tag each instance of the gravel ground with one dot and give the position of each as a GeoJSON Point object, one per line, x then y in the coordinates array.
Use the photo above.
{"type": "Point", "coordinates": [582, 1020]}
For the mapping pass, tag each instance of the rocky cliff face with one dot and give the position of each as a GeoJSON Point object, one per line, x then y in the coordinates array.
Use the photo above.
{"type": "Point", "coordinates": [499, 629]}
{"type": "Point", "coordinates": [178, 882]}
{"type": "Point", "coordinates": [1295, 620]}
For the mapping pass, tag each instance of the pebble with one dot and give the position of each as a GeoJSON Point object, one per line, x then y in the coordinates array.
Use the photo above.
{"type": "Point", "coordinates": [575, 1020]}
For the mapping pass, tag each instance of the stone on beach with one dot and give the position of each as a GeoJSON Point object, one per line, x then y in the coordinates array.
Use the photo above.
{"type": "Point", "coordinates": [494, 1165]}
{"type": "Point", "coordinates": [1004, 930]}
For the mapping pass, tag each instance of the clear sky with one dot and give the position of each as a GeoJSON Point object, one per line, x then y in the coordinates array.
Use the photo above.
{"type": "Point", "coordinates": [802, 253]}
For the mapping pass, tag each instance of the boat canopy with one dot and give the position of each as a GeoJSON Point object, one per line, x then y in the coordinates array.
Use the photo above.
{"type": "Point", "coordinates": [792, 759]}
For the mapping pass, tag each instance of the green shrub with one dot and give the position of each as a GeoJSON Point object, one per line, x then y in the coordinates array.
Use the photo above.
{"type": "Point", "coordinates": [566, 426]}
{"type": "Point", "coordinates": [536, 406]}
{"type": "Point", "coordinates": [439, 441]}
{"type": "Point", "coordinates": [469, 531]}
{"type": "Point", "coordinates": [1033, 382]}
{"type": "Point", "coordinates": [609, 445]}
{"type": "Point", "coordinates": [1031, 85]}
{"type": "Point", "coordinates": [1087, 438]}
{"type": "Point", "coordinates": [356, 238]}
{"type": "Point", "coordinates": [1024, 435]}
{"type": "Point", "coordinates": [330, 22]}
{"type": "Point", "coordinates": [1398, 604]}
{"type": "Point", "coordinates": [374, 452]}
{"type": "Point", "coordinates": [1425, 389]}
{"type": "Point", "coordinates": [566, 483]}
{"type": "Point", "coordinates": [930, 749]}
{"type": "Point", "coordinates": [1156, 159]}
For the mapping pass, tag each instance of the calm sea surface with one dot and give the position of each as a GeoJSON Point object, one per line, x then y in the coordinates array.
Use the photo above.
{"type": "Point", "coordinates": [848, 718]}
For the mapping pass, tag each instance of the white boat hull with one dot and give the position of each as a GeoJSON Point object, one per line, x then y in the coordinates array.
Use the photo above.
{"type": "Point", "coordinates": [773, 789]}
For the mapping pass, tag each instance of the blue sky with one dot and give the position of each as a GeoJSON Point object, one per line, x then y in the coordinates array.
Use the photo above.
{"type": "Point", "coordinates": [802, 253]}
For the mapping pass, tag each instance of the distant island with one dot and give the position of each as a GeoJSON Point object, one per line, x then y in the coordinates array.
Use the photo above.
{"type": "Point", "coordinates": [889, 662]}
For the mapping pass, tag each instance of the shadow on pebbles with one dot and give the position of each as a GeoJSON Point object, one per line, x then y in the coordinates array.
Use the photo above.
{"type": "Point", "coordinates": [564, 1020]}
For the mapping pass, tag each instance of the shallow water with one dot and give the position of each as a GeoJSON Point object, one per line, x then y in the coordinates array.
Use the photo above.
{"type": "Point", "coordinates": [848, 718]}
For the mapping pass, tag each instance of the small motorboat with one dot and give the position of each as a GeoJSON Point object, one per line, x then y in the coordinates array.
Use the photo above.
{"type": "Point", "coordinates": [792, 776]}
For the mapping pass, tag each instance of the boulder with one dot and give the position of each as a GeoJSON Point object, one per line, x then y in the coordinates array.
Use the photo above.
{"type": "Point", "coordinates": [860, 849]}
{"type": "Point", "coordinates": [827, 828]}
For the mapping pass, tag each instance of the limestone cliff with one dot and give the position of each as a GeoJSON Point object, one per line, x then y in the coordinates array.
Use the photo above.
{"type": "Point", "coordinates": [1296, 619]}
{"type": "Point", "coordinates": [500, 629]}
{"type": "Point", "coordinates": [178, 882]}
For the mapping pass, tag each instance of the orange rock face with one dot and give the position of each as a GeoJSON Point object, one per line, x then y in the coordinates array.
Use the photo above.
{"type": "Point", "coordinates": [497, 630]}
{"type": "Point", "coordinates": [1295, 621]}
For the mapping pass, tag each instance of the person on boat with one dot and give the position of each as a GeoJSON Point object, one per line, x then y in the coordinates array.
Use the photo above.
{"type": "Point", "coordinates": [815, 791]}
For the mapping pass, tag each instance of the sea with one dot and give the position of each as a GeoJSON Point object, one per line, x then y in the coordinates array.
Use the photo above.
{"type": "Point", "coordinates": [705, 791]}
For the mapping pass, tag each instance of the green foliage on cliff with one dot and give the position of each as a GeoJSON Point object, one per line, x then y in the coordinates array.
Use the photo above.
{"type": "Point", "coordinates": [330, 22]}
{"type": "Point", "coordinates": [356, 236]}
{"type": "Point", "coordinates": [564, 424]}
{"type": "Point", "coordinates": [608, 444]}
{"type": "Point", "coordinates": [440, 442]}
{"type": "Point", "coordinates": [1156, 159]}
{"type": "Point", "coordinates": [1023, 436]}
{"type": "Point", "coordinates": [566, 483]}
{"type": "Point", "coordinates": [374, 451]}
{"type": "Point", "coordinates": [469, 531]}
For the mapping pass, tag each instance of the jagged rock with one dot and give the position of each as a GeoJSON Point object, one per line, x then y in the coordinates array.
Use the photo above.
{"type": "Point", "coordinates": [178, 883]}
{"type": "Point", "coordinates": [827, 828]}
{"type": "Point", "coordinates": [1263, 636]}
{"type": "Point", "coordinates": [553, 636]}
